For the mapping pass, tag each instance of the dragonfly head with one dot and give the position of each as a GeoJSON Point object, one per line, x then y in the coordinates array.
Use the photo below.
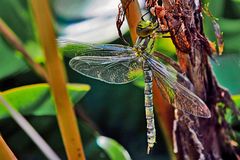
{"type": "Point", "coordinates": [146, 28]}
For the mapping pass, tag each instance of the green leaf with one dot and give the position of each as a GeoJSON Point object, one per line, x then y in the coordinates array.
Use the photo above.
{"type": "Point", "coordinates": [231, 34]}
{"type": "Point", "coordinates": [165, 46]}
{"type": "Point", "coordinates": [139, 82]}
{"type": "Point", "coordinates": [35, 51]}
{"type": "Point", "coordinates": [100, 147]}
{"type": "Point", "coordinates": [10, 63]}
{"type": "Point", "coordinates": [17, 16]}
{"type": "Point", "coordinates": [237, 1]}
{"type": "Point", "coordinates": [216, 7]}
{"type": "Point", "coordinates": [236, 99]}
{"type": "Point", "coordinates": [113, 149]}
{"type": "Point", "coordinates": [229, 26]}
{"type": "Point", "coordinates": [229, 115]}
{"type": "Point", "coordinates": [71, 49]}
{"type": "Point", "coordinates": [227, 71]}
{"type": "Point", "coordinates": [37, 100]}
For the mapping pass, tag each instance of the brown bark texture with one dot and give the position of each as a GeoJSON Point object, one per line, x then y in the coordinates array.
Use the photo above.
{"type": "Point", "coordinates": [196, 138]}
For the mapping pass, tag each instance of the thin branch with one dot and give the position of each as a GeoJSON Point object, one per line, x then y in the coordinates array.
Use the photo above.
{"type": "Point", "coordinates": [12, 38]}
{"type": "Point", "coordinates": [30, 131]}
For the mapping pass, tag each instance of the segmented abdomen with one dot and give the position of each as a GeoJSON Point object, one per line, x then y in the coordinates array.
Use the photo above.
{"type": "Point", "coordinates": [151, 131]}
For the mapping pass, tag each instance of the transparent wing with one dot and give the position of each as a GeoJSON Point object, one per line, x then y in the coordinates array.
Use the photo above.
{"type": "Point", "coordinates": [178, 95]}
{"type": "Point", "coordinates": [73, 48]}
{"type": "Point", "coordinates": [115, 64]}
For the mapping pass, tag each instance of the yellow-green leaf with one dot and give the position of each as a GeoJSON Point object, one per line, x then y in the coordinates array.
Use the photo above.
{"type": "Point", "coordinates": [37, 100]}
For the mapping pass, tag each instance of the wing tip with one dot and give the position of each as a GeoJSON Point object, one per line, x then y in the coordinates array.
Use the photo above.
{"type": "Point", "coordinates": [208, 113]}
{"type": "Point", "coordinates": [205, 112]}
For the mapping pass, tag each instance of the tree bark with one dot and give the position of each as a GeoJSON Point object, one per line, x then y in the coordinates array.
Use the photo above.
{"type": "Point", "coordinates": [198, 138]}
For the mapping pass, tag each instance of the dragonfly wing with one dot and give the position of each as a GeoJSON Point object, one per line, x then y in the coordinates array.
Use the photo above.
{"type": "Point", "coordinates": [111, 63]}
{"type": "Point", "coordinates": [177, 95]}
{"type": "Point", "coordinates": [110, 69]}
{"type": "Point", "coordinates": [73, 48]}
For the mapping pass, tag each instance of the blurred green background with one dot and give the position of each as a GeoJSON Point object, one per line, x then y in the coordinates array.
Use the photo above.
{"type": "Point", "coordinates": [114, 111]}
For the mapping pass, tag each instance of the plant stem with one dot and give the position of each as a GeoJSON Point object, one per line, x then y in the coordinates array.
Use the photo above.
{"type": "Point", "coordinates": [5, 151]}
{"type": "Point", "coordinates": [133, 15]}
{"type": "Point", "coordinates": [12, 38]}
{"type": "Point", "coordinates": [30, 131]}
{"type": "Point", "coordinates": [65, 114]}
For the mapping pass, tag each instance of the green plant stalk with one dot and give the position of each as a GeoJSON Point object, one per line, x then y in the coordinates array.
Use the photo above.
{"type": "Point", "coordinates": [56, 74]}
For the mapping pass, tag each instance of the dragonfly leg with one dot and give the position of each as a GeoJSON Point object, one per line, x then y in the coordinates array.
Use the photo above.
{"type": "Point", "coordinates": [151, 131]}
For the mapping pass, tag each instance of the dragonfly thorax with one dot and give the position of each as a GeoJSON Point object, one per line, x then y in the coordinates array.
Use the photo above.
{"type": "Point", "coordinates": [139, 50]}
{"type": "Point", "coordinates": [146, 28]}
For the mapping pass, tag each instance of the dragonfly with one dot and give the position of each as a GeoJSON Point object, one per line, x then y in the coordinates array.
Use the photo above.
{"type": "Point", "coordinates": [120, 64]}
